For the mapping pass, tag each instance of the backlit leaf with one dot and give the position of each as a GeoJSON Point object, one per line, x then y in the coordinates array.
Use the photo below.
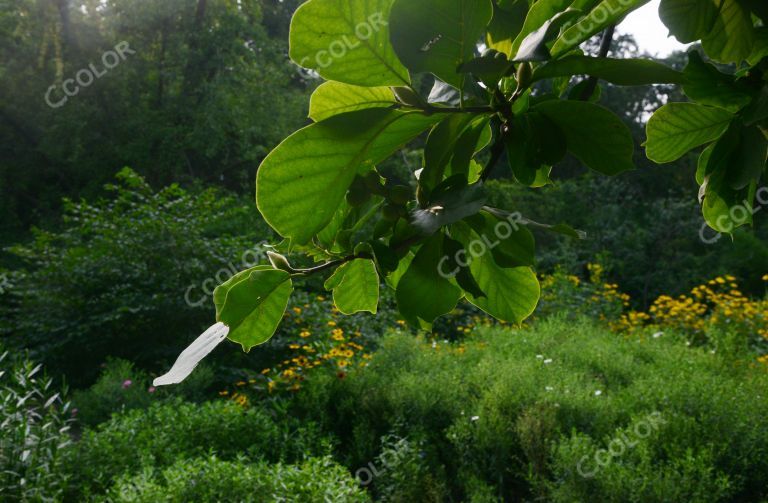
{"type": "Point", "coordinates": [437, 36]}
{"type": "Point", "coordinates": [689, 20]}
{"type": "Point", "coordinates": [355, 287]}
{"type": "Point", "coordinates": [539, 13]}
{"type": "Point", "coordinates": [252, 304]}
{"type": "Point", "coordinates": [677, 128]}
{"type": "Point", "coordinates": [347, 41]}
{"type": "Point", "coordinates": [732, 35]}
{"type": "Point", "coordinates": [301, 184]}
{"type": "Point", "coordinates": [622, 72]}
{"type": "Point", "coordinates": [595, 135]}
{"type": "Point", "coordinates": [334, 98]}
{"type": "Point", "coordinates": [603, 15]}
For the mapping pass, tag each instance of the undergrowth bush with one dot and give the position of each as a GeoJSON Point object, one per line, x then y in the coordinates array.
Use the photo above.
{"type": "Point", "coordinates": [113, 280]}
{"type": "Point", "coordinates": [510, 413]}
{"type": "Point", "coordinates": [712, 311]}
{"type": "Point", "coordinates": [164, 433]}
{"type": "Point", "coordinates": [122, 387]}
{"type": "Point", "coordinates": [401, 475]}
{"type": "Point", "coordinates": [204, 480]}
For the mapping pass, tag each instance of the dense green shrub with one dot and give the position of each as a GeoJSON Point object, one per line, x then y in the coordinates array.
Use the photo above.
{"type": "Point", "coordinates": [401, 474]}
{"type": "Point", "coordinates": [122, 387]}
{"type": "Point", "coordinates": [166, 432]}
{"type": "Point", "coordinates": [649, 242]}
{"type": "Point", "coordinates": [572, 297]}
{"type": "Point", "coordinates": [113, 282]}
{"type": "Point", "coordinates": [34, 432]}
{"type": "Point", "coordinates": [317, 480]}
{"type": "Point", "coordinates": [511, 413]}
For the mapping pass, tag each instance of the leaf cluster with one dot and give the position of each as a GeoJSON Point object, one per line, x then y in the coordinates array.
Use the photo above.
{"type": "Point", "coordinates": [437, 241]}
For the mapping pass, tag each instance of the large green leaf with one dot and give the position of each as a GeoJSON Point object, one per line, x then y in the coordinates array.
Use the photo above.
{"type": "Point", "coordinates": [355, 287]}
{"type": "Point", "coordinates": [393, 278]}
{"type": "Point", "coordinates": [584, 5]}
{"type": "Point", "coordinates": [439, 149]}
{"type": "Point", "coordinates": [534, 46]}
{"type": "Point", "coordinates": [760, 47]}
{"type": "Point", "coordinates": [422, 293]}
{"type": "Point", "coordinates": [252, 304]}
{"type": "Point", "coordinates": [718, 157]}
{"type": "Point", "coordinates": [335, 98]}
{"type": "Point", "coordinates": [732, 35]}
{"type": "Point", "coordinates": [725, 208]}
{"type": "Point", "coordinates": [622, 72]}
{"type": "Point", "coordinates": [328, 235]}
{"type": "Point", "coordinates": [453, 265]}
{"type": "Point", "coordinates": [437, 36]}
{"type": "Point", "coordinates": [539, 13]}
{"type": "Point", "coordinates": [505, 25]}
{"type": "Point", "coordinates": [750, 159]}
{"type": "Point", "coordinates": [347, 41]}
{"type": "Point", "coordinates": [677, 128]}
{"type": "Point", "coordinates": [605, 14]}
{"type": "Point", "coordinates": [706, 85]}
{"type": "Point", "coordinates": [534, 143]}
{"type": "Point", "coordinates": [511, 294]}
{"type": "Point", "coordinates": [758, 110]}
{"type": "Point", "coordinates": [595, 135]}
{"type": "Point", "coordinates": [689, 20]}
{"type": "Point", "coordinates": [300, 185]}
{"type": "Point", "coordinates": [511, 244]}
{"type": "Point", "coordinates": [474, 139]}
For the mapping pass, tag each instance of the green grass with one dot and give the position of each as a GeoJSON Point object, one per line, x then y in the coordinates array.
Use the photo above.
{"type": "Point", "coordinates": [512, 416]}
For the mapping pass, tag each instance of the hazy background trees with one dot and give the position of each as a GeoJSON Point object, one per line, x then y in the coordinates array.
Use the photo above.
{"type": "Point", "coordinates": [207, 93]}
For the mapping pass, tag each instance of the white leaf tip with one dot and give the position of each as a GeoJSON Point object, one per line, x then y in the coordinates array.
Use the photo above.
{"type": "Point", "coordinates": [190, 357]}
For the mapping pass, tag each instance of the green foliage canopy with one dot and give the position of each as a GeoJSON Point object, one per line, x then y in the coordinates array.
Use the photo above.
{"type": "Point", "coordinates": [320, 187]}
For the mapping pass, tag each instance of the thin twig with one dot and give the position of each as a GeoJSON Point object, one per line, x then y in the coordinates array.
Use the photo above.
{"type": "Point", "coordinates": [605, 47]}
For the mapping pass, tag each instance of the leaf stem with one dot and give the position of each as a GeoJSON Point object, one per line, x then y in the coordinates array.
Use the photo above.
{"type": "Point", "coordinates": [504, 214]}
{"type": "Point", "coordinates": [324, 267]}
{"type": "Point", "coordinates": [466, 110]}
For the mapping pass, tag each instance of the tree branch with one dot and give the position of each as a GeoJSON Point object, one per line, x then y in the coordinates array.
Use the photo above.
{"type": "Point", "coordinates": [605, 47]}
{"type": "Point", "coordinates": [406, 243]}
{"type": "Point", "coordinates": [496, 152]}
